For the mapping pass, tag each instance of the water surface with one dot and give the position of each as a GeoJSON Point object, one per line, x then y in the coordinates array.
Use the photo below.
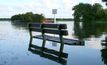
{"type": "Point", "coordinates": [14, 43]}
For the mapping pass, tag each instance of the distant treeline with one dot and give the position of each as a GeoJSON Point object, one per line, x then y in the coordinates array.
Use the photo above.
{"type": "Point", "coordinates": [5, 19]}
{"type": "Point", "coordinates": [61, 19]}
{"type": "Point", "coordinates": [31, 17]}
{"type": "Point", "coordinates": [58, 19]}
{"type": "Point", "coordinates": [28, 17]}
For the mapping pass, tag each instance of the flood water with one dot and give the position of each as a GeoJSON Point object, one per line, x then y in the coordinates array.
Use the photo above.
{"type": "Point", "coordinates": [14, 43]}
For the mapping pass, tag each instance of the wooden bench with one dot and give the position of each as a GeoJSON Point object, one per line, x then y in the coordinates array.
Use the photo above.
{"type": "Point", "coordinates": [57, 29]}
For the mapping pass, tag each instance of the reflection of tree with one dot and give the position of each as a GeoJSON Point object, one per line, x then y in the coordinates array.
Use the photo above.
{"type": "Point", "coordinates": [19, 24]}
{"type": "Point", "coordinates": [89, 28]}
{"type": "Point", "coordinates": [104, 51]}
{"type": "Point", "coordinates": [78, 30]}
{"type": "Point", "coordinates": [104, 55]}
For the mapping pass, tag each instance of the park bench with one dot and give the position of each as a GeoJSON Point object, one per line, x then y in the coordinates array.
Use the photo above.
{"type": "Point", "coordinates": [57, 29]}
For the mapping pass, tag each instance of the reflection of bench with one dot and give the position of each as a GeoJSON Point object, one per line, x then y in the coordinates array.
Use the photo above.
{"type": "Point", "coordinates": [59, 29]}
{"type": "Point", "coordinates": [49, 54]}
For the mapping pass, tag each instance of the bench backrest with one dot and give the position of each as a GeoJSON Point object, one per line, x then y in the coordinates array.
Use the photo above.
{"type": "Point", "coordinates": [35, 27]}
{"type": "Point", "coordinates": [49, 28]}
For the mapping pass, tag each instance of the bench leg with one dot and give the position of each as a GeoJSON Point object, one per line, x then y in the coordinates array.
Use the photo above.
{"type": "Point", "coordinates": [43, 44]}
{"type": "Point", "coordinates": [61, 49]}
{"type": "Point", "coordinates": [30, 42]}
{"type": "Point", "coordinates": [61, 46]}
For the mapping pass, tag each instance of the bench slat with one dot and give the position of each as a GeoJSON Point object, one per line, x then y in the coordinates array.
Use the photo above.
{"type": "Point", "coordinates": [62, 26]}
{"type": "Point", "coordinates": [35, 25]}
{"type": "Point", "coordinates": [36, 29]}
{"type": "Point", "coordinates": [52, 31]}
{"type": "Point", "coordinates": [56, 39]}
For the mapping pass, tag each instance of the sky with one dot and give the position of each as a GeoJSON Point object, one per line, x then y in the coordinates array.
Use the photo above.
{"type": "Point", "coordinates": [9, 8]}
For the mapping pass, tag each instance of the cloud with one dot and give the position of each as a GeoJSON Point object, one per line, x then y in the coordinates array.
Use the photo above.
{"type": "Point", "coordinates": [5, 11]}
{"type": "Point", "coordinates": [98, 1]}
{"type": "Point", "coordinates": [68, 4]}
{"type": "Point", "coordinates": [64, 7]}
{"type": "Point", "coordinates": [52, 4]}
{"type": "Point", "coordinates": [95, 1]}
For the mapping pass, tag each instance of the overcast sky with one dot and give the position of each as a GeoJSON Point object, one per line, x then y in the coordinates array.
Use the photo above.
{"type": "Point", "coordinates": [12, 7]}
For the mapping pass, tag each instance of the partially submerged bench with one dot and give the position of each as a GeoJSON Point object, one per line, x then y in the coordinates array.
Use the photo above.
{"type": "Point", "coordinates": [57, 29]}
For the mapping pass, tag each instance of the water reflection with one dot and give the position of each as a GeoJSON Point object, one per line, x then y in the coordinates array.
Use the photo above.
{"type": "Point", "coordinates": [19, 24]}
{"type": "Point", "coordinates": [89, 29]}
{"type": "Point", "coordinates": [104, 51]}
{"type": "Point", "coordinates": [78, 30]}
{"type": "Point", "coordinates": [104, 55]}
{"type": "Point", "coordinates": [48, 53]}
{"type": "Point", "coordinates": [82, 31]}
{"type": "Point", "coordinates": [17, 39]}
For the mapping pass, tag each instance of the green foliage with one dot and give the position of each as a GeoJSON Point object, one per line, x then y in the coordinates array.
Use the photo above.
{"type": "Point", "coordinates": [85, 11]}
{"type": "Point", "coordinates": [28, 17]}
{"type": "Point", "coordinates": [105, 13]}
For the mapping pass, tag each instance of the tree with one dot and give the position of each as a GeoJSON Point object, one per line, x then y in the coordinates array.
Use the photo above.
{"type": "Point", "coordinates": [82, 11]}
{"type": "Point", "coordinates": [98, 11]}
{"type": "Point", "coordinates": [88, 12]}
{"type": "Point", "coordinates": [28, 17]}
